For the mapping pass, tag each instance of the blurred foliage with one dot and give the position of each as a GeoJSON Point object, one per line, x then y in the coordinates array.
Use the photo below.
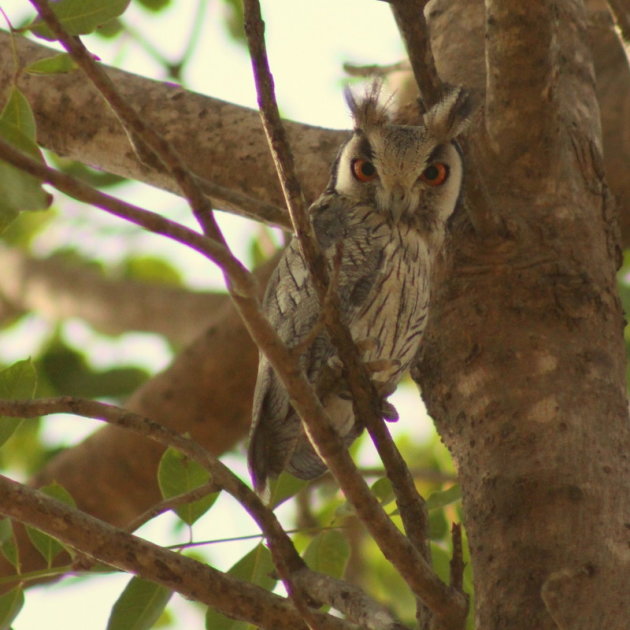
{"type": "Point", "coordinates": [234, 20]}
{"type": "Point", "coordinates": [79, 18]}
{"type": "Point", "coordinates": [154, 5]}
{"type": "Point", "coordinates": [67, 372]}
{"type": "Point", "coordinates": [150, 269]}
{"type": "Point", "coordinates": [623, 284]}
{"type": "Point", "coordinates": [91, 176]}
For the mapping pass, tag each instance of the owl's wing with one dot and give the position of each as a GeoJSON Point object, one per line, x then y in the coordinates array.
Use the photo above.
{"type": "Point", "coordinates": [277, 439]}
{"type": "Point", "coordinates": [292, 307]}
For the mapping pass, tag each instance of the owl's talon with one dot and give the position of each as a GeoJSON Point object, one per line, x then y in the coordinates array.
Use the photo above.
{"type": "Point", "coordinates": [367, 344]}
{"type": "Point", "coordinates": [389, 412]}
{"type": "Point", "coordinates": [381, 365]}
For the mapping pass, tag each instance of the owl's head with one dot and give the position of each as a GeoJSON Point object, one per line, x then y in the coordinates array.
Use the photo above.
{"type": "Point", "coordinates": [411, 173]}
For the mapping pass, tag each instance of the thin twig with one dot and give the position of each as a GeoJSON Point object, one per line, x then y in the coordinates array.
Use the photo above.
{"type": "Point", "coordinates": [117, 548]}
{"type": "Point", "coordinates": [621, 12]}
{"type": "Point", "coordinates": [241, 279]}
{"type": "Point", "coordinates": [272, 124]}
{"type": "Point", "coordinates": [170, 504]}
{"type": "Point", "coordinates": [457, 560]}
{"type": "Point", "coordinates": [409, 16]}
{"type": "Point", "coordinates": [411, 505]}
{"type": "Point", "coordinates": [397, 548]}
{"type": "Point", "coordinates": [133, 123]}
{"type": "Point", "coordinates": [222, 477]}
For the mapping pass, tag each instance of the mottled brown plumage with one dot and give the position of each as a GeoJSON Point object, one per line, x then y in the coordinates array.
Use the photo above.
{"type": "Point", "coordinates": [391, 192]}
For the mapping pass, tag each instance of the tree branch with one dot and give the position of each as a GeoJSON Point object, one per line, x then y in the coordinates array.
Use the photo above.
{"type": "Point", "coordinates": [55, 289]}
{"type": "Point", "coordinates": [209, 134]}
{"type": "Point", "coordinates": [409, 16]}
{"type": "Point", "coordinates": [396, 548]}
{"type": "Point", "coordinates": [133, 123]}
{"type": "Point", "coordinates": [348, 599]}
{"type": "Point", "coordinates": [521, 108]}
{"type": "Point", "coordinates": [621, 11]}
{"type": "Point", "coordinates": [202, 583]}
{"type": "Point", "coordinates": [217, 252]}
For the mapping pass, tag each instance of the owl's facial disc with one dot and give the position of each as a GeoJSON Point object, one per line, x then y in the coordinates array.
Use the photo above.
{"type": "Point", "coordinates": [400, 171]}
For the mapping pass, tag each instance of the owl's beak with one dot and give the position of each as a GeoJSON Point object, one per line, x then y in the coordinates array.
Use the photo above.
{"type": "Point", "coordinates": [399, 201]}
{"type": "Point", "coordinates": [398, 193]}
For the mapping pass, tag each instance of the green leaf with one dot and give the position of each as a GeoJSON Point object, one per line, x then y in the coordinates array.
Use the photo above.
{"type": "Point", "coordinates": [382, 489]}
{"type": "Point", "coordinates": [19, 190]}
{"type": "Point", "coordinates": [57, 64]}
{"type": "Point", "coordinates": [17, 382]}
{"type": "Point", "coordinates": [17, 112]}
{"type": "Point", "coordinates": [79, 17]}
{"type": "Point", "coordinates": [176, 475]}
{"type": "Point", "coordinates": [154, 5]}
{"type": "Point", "coordinates": [256, 567]}
{"type": "Point", "coordinates": [11, 603]}
{"type": "Point", "coordinates": [48, 546]}
{"type": "Point", "coordinates": [7, 542]}
{"type": "Point", "coordinates": [139, 605]}
{"type": "Point", "coordinates": [110, 29]}
{"type": "Point", "coordinates": [444, 497]}
{"type": "Point", "coordinates": [152, 269]}
{"type": "Point", "coordinates": [283, 488]}
{"type": "Point", "coordinates": [438, 525]}
{"type": "Point", "coordinates": [56, 491]}
{"type": "Point", "coordinates": [328, 553]}
{"type": "Point", "coordinates": [217, 621]}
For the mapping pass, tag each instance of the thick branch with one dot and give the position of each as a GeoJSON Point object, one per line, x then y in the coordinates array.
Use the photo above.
{"type": "Point", "coordinates": [55, 289]}
{"type": "Point", "coordinates": [409, 15]}
{"type": "Point", "coordinates": [126, 552]}
{"type": "Point", "coordinates": [209, 134]}
{"type": "Point", "coordinates": [521, 64]}
{"type": "Point", "coordinates": [458, 37]}
{"type": "Point", "coordinates": [345, 597]}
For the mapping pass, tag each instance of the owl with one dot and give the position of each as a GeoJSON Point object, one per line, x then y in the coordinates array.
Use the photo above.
{"type": "Point", "coordinates": [380, 224]}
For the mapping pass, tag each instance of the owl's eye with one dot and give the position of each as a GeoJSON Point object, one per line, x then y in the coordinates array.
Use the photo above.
{"type": "Point", "coordinates": [435, 174]}
{"type": "Point", "coordinates": [363, 170]}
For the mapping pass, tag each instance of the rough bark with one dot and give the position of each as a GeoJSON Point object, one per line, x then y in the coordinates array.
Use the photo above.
{"type": "Point", "coordinates": [212, 136]}
{"type": "Point", "coordinates": [523, 366]}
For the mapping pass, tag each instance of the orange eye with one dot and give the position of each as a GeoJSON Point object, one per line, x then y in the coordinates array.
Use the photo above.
{"type": "Point", "coordinates": [363, 170]}
{"type": "Point", "coordinates": [435, 174]}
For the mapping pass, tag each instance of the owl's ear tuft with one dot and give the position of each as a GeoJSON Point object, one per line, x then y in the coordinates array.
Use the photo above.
{"type": "Point", "coordinates": [451, 115]}
{"type": "Point", "coordinates": [368, 110]}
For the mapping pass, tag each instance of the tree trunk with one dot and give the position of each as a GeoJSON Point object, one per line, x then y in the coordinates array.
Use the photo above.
{"type": "Point", "coordinates": [523, 366]}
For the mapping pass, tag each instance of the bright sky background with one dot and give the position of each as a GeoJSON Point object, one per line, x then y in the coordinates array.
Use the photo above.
{"type": "Point", "coordinates": [308, 42]}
